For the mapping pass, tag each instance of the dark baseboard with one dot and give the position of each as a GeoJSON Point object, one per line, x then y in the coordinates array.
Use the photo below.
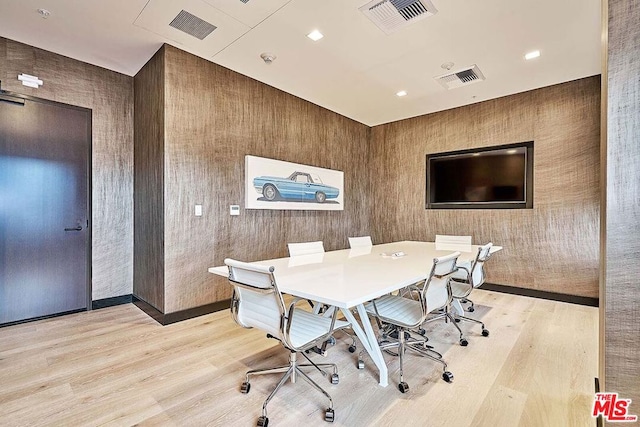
{"type": "Point", "coordinates": [33, 319]}
{"type": "Point", "coordinates": [599, 421]}
{"type": "Point", "coordinates": [178, 316]}
{"type": "Point", "coordinates": [110, 302]}
{"type": "Point", "coordinates": [573, 299]}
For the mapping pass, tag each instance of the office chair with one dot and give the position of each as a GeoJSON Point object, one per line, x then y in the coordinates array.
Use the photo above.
{"type": "Point", "coordinates": [310, 248]}
{"type": "Point", "coordinates": [444, 241]}
{"type": "Point", "coordinates": [469, 276]}
{"type": "Point", "coordinates": [359, 242]}
{"type": "Point", "coordinates": [257, 303]}
{"type": "Point", "coordinates": [406, 314]}
{"type": "Point", "coordinates": [305, 248]}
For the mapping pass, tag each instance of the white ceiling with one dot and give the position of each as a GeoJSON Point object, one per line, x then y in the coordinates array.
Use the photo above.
{"type": "Point", "coordinates": [356, 69]}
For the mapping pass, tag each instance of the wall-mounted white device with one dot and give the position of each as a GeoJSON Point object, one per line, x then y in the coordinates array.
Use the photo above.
{"type": "Point", "coordinates": [234, 210]}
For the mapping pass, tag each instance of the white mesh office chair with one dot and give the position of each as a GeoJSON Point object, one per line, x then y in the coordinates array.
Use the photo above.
{"type": "Point", "coordinates": [359, 242]}
{"type": "Point", "coordinates": [257, 303]}
{"type": "Point", "coordinates": [305, 248]}
{"type": "Point", "coordinates": [444, 239]}
{"type": "Point", "coordinates": [469, 276]}
{"type": "Point", "coordinates": [407, 313]}
{"type": "Point", "coordinates": [310, 248]}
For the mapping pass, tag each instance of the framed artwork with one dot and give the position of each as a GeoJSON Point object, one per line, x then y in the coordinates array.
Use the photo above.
{"type": "Point", "coordinates": [274, 184]}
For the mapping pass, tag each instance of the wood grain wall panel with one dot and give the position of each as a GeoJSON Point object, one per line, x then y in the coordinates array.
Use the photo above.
{"type": "Point", "coordinates": [110, 97]}
{"type": "Point", "coordinates": [148, 273]}
{"type": "Point", "coordinates": [214, 117]}
{"type": "Point", "coordinates": [543, 245]}
{"type": "Point", "coordinates": [622, 246]}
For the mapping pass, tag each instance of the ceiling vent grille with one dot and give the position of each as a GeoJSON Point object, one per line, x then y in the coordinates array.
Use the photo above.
{"type": "Point", "coordinates": [192, 25]}
{"type": "Point", "coordinates": [391, 15]}
{"type": "Point", "coordinates": [245, 1]}
{"type": "Point", "coordinates": [463, 77]}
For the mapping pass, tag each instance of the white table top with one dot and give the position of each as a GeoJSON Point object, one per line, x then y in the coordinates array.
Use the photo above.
{"type": "Point", "coordinates": [349, 277]}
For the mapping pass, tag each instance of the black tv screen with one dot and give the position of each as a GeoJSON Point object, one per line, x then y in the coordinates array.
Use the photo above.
{"type": "Point", "coordinates": [486, 178]}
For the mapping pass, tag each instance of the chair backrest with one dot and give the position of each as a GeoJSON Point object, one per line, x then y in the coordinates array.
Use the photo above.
{"type": "Point", "coordinates": [477, 266]}
{"type": "Point", "coordinates": [305, 248]}
{"type": "Point", "coordinates": [436, 293]}
{"type": "Point", "coordinates": [358, 242]}
{"type": "Point", "coordinates": [452, 240]}
{"type": "Point", "coordinates": [256, 301]}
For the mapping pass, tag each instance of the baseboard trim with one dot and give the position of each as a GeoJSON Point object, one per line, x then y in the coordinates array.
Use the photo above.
{"type": "Point", "coordinates": [110, 302]}
{"type": "Point", "coordinates": [178, 316]}
{"type": "Point", "coordinates": [535, 293]}
{"type": "Point", "coordinates": [599, 420]}
{"type": "Point", "coordinates": [49, 316]}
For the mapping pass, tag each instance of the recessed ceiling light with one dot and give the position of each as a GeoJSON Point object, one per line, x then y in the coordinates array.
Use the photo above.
{"type": "Point", "coordinates": [512, 151]}
{"type": "Point", "coordinates": [401, 93]}
{"type": "Point", "coordinates": [315, 35]}
{"type": "Point", "coordinates": [532, 55]}
{"type": "Point", "coordinates": [29, 80]}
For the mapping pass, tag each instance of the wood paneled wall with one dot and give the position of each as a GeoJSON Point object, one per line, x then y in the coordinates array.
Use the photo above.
{"type": "Point", "coordinates": [213, 118]}
{"type": "Point", "coordinates": [552, 247]}
{"type": "Point", "coordinates": [148, 273]}
{"type": "Point", "coordinates": [622, 230]}
{"type": "Point", "coordinates": [110, 96]}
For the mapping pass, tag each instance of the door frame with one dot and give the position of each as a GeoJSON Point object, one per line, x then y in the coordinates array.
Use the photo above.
{"type": "Point", "coordinates": [20, 98]}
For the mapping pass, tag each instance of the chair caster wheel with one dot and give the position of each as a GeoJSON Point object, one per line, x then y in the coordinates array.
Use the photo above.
{"type": "Point", "coordinates": [464, 342]}
{"type": "Point", "coordinates": [360, 364]}
{"type": "Point", "coordinates": [352, 348]}
{"type": "Point", "coordinates": [471, 309]}
{"type": "Point", "coordinates": [263, 421]}
{"type": "Point", "coordinates": [245, 387]}
{"type": "Point", "coordinates": [335, 379]}
{"type": "Point", "coordinates": [422, 331]}
{"type": "Point", "coordinates": [457, 320]}
{"type": "Point", "coordinates": [447, 376]}
{"type": "Point", "coordinates": [329, 415]}
{"type": "Point", "coordinates": [403, 387]}
{"type": "Point", "coordinates": [485, 332]}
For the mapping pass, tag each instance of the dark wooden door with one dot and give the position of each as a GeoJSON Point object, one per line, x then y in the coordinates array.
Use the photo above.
{"type": "Point", "coordinates": [44, 208]}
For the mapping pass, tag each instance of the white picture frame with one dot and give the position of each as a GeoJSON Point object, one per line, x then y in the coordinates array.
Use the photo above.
{"type": "Point", "coordinates": [276, 184]}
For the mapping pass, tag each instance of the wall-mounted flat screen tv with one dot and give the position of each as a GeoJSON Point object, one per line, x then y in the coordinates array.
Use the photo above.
{"type": "Point", "coordinates": [485, 178]}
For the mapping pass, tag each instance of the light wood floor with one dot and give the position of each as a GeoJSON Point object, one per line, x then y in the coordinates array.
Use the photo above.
{"type": "Point", "coordinates": [117, 367]}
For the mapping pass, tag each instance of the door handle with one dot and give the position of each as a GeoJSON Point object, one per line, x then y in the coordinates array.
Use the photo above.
{"type": "Point", "coordinates": [78, 228]}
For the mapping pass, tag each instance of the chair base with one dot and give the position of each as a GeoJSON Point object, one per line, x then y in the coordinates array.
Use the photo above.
{"type": "Point", "coordinates": [405, 341]}
{"type": "Point", "coordinates": [448, 317]}
{"type": "Point", "coordinates": [293, 371]}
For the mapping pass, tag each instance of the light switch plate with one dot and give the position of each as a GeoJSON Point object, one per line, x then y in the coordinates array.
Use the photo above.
{"type": "Point", "coordinates": [198, 210]}
{"type": "Point", "coordinates": [234, 210]}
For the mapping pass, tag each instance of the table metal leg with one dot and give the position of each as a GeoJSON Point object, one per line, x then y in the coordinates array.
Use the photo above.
{"type": "Point", "coordinates": [369, 340]}
{"type": "Point", "coordinates": [457, 307]}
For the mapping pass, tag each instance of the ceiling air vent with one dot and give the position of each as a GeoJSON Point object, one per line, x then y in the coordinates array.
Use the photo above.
{"type": "Point", "coordinates": [391, 15]}
{"type": "Point", "coordinates": [463, 77]}
{"type": "Point", "coordinates": [192, 25]}
{"type": "Point", "coordinates": [245, 1]}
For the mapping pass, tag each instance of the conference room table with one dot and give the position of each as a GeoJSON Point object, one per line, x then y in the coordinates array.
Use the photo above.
{"type": "Point", "coordinates": [349, 278]}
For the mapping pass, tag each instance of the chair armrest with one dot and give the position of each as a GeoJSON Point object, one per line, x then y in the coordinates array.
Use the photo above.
{"type": "Point", "coordinates": [289, 319]}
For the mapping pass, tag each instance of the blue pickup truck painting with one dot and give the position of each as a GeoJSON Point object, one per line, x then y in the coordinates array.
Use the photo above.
{"type": "Point", "coordinates": [299, 186]}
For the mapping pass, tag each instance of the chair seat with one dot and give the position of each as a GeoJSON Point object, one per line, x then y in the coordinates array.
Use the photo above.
{"type": "Point", "coordinates": [459, 290]}
{"type": "Point", "coordinates": [397, 309]}
{"type": "Point", "coordinates": [307, 327]}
